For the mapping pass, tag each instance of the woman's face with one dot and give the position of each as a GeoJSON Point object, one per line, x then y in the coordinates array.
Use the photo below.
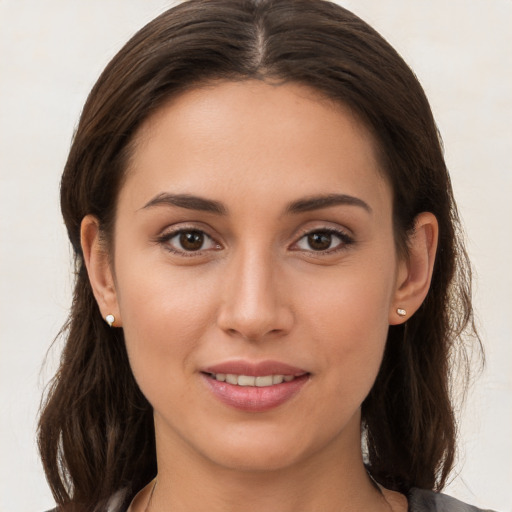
{"type": "Point", "coordinates": [254, 238]}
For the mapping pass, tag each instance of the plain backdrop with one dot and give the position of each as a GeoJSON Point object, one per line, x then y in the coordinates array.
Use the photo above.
{"type": "Point", "coordinates": [51, 52]}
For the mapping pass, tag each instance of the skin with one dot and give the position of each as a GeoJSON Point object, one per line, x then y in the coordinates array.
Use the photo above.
{"type": "Point", "coordinates": [258, 290]}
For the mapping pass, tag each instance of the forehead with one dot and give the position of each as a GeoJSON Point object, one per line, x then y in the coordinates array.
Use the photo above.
{"type": "Point", "coordinates": [287, 138]}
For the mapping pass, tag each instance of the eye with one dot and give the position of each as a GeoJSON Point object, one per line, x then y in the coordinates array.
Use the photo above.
{"type": "Point", "coordinates": [324, 240]}
{"type": "Point", "coordinates": [188, 241]}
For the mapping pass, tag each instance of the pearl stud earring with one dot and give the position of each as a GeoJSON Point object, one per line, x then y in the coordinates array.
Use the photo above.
{"type": "Point", "coordinates": [401, 312]}
{"type": "Point", "coordinates": [110, 319]}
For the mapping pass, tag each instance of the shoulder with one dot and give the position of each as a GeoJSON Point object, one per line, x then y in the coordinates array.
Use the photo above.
{"type": "Point", "coordinates": [429, 501]}
{"type": "Point", "coordinates": [118, 502]}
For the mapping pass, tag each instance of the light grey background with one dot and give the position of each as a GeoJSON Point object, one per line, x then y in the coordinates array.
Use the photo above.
{"type": "Point", "coordinates": [51, 52]}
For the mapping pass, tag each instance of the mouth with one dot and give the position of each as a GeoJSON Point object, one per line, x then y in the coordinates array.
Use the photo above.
{"type": "Point", "coordinates": [251, 380]}
{"type": "Point", "coordinates": [254, 387]}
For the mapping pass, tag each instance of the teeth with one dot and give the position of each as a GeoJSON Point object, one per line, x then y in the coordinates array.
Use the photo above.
{"type": "Point", "coordinates": [263, 381]}
{"type": "Point", "coordinates": [231, 379]}
{"type": "Point", "coordinates": [248, 380]}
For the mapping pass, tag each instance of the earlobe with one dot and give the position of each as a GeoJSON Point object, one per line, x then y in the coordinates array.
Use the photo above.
{"type": "Point", "coordinates": [415, 271]}
{"type": "Point", "coordinates": [96, 259]}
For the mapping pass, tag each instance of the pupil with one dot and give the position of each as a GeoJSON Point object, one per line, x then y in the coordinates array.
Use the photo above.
{"type": "Point", "coordinates": [319, 241]}
{"type": "Point", "coordinates": [192, 240]}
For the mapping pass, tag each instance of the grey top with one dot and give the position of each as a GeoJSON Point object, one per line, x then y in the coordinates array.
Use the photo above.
{"type": "Point", "coordinates": [428, 501]}
{"type": "Point", "coordinates": [419, 501]}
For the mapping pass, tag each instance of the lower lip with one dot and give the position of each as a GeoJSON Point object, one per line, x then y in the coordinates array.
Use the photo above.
{"type": "Point", "coordinates": [252, 398]}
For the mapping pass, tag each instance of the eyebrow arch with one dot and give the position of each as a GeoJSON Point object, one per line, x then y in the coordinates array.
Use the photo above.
{"type": "Point", "coordinates": [324, 201]}
{"type": "Point", "coordinates": [187, 201]}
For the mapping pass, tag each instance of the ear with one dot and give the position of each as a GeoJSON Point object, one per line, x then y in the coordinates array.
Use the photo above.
{"type": "Point", "coordinates": [98, 266]}
{"type": "Point", "coordinates": [415, 270]}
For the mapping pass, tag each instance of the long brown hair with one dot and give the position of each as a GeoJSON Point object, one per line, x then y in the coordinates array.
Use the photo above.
{"type": "Point", "coordinates": [96, 430]}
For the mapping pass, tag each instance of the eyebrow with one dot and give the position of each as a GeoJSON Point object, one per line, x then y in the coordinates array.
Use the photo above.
{"type": "Point", "coordinates": [187, 201]}
{"type": "Point", "coordinates": [191, 202]}
{"type": "Point", "coordinates": [325, 201]}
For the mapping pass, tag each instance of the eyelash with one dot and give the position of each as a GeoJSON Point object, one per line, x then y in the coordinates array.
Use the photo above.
{"type": "Point", "coordinates": [166, 238]}
{"type": "Point", "coordinates": [345, 241]}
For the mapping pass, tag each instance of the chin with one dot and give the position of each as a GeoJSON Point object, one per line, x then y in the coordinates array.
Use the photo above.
{"type": "Point", "coordinates": [257, 459]}
{"type": "Point", "coordinates": [263, 449]}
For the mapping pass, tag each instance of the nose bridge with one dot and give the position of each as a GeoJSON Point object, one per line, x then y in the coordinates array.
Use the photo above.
{"type": "Point", "coordinates": [253, 305]}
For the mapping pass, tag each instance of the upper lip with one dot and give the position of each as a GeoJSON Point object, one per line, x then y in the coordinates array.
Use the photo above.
{"type": "Point", "coordinates": [254, 369]}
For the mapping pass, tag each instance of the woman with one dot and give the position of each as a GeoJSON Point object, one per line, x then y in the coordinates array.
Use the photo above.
{"type": "Point", "coordinates": [268, 271]}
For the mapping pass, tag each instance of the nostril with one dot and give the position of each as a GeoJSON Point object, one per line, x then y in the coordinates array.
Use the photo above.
{"type": "Point", "coordinates": [254, 319]}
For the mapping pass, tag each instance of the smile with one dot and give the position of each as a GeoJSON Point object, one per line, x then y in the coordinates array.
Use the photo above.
{"type": "Point", "coordinates": [250, 380]}
{"type": "Point", "coordinates": [254, 387]}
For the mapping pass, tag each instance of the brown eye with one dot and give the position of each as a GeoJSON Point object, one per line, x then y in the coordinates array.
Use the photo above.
{"type": "Point", "coordinates": [191, 240]}
{"type": "Point", "coordinates": [323, 241]}
{"type": "Point", "coordinates": [319, 241]}
{"type": "Point", "coordinates": [188, 241]}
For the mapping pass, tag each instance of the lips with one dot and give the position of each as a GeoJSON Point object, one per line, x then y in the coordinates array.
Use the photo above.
{"type": "Point", "coordinates": [254, 387]}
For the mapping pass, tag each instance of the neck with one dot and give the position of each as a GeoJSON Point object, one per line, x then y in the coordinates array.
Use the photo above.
{"type": "Point", "coordinates": [331, 481]}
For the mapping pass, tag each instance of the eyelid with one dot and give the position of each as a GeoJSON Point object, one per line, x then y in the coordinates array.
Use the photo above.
{"type": "Point", "coordinates": [346, 239]}
{"type": "Point", "coordinates": [344, 235]}
{"type": "Point", "coordinates": [169, 233]}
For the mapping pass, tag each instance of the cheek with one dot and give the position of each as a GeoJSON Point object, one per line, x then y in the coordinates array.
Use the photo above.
{"type": "Point", "coordinates": [349, 321]}
{"type": "Point", "coordinates": [164, 316]}
{"type": "Point", "coordinates": [354, 302]}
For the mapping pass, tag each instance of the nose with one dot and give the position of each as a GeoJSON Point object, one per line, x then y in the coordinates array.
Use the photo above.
{"type": "Point", "coordinates": [253, 304]}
